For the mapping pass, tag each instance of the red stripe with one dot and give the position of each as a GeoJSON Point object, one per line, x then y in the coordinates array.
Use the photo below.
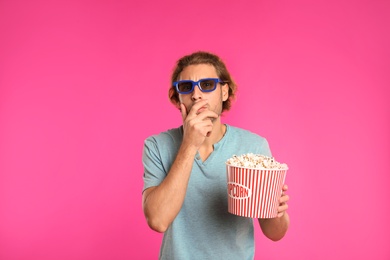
{"type": "Point", "coordinates": [276, 194]}
{"type": "Point", "coordinates": [256, 192]}
{"type": "Point", "coordinates": [245, 201]}
{"type": "Point", "coordinates": [273, 191]}
{"type": "Point", "coordinates": [265, 187]}
{"type": "Point", "coordinates": [261, 195]}
{"type": "Point", "coordinates": [267, 192]}
{"type": "Point", "coordinates": [239, 206]}
{"type": "Point", "coordinates": [274, 197]}
{"type": "Point", "coordinates": [256, 181]}
{"type": "Point", "coordinates": [251, 184]}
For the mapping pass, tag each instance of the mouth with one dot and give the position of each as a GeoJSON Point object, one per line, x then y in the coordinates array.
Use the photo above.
{"type": "Point", "coordinates": [200, 110]}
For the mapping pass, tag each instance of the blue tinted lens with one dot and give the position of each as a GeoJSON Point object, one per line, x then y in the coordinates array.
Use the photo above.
{"type": "Point", "coordinates": [205, 85]}
{"type": "Point", "coordinates": [184, 86]}
{"type": "Point", "coordinates": [208, 84]}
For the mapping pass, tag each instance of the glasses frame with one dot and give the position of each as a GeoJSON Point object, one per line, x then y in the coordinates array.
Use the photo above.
{"type": "Point", "coordinates": [196, 83]}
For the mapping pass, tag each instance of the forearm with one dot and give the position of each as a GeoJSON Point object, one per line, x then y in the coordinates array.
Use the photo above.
{"type": "Point", "coordinates": [161, 204]}
{"type": "Point", "coordinates": [275, 228]}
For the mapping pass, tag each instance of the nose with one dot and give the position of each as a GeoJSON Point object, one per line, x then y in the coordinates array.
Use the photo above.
{"type": "Point", "coordinates": [196, 94]}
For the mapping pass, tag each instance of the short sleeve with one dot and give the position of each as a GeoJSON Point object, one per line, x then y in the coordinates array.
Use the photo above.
{"type": "Point", "coordinates": [265, 150]}
{"type": "Point", "coordinates": [154, 172]}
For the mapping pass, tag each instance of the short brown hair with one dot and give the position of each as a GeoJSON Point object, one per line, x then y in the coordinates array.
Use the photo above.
{"type": "Point", "coordinates": [202, 57]}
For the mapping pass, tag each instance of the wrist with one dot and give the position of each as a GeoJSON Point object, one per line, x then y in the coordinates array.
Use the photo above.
{"type": "Point", "coordinates": [188, 149]}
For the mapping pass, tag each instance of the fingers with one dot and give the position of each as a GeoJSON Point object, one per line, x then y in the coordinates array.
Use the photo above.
{"type": "Point", "coordinates": [198, 105]}
{"type": "Point", "coordinates": [198, 110]}
{"type": "Point", "coordinates": [282, 209]}
{"type": "Point", "coordinates": [284, 199]}
{"type": "Point", "coordinates": [283, 203]}
{"type": "Point", "coordinates": [207, 114]}
{"type": "Point", "coordinates": [198, 122]}
{"type": "Point", "coordinates": [281, 212]}
{"type": "Point", "coordinates": [183, 111]}
{"type": "Point", "coordinates": [201, 126]}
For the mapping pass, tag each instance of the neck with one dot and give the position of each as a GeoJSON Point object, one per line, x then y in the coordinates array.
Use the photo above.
{"type": "Point", "coordinates": [216, 134]}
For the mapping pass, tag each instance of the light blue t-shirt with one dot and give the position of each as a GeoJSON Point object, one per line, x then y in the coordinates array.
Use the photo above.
{"type": "Point", "coordinates": [204, 229]}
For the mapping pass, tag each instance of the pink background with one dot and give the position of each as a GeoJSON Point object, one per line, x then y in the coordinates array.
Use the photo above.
{"type": "Point", "coordinates": [83, 83]}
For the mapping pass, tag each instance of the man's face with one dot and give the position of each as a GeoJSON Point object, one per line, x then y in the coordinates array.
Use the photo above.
{"type": "Point", "coordinates": [214, 98]}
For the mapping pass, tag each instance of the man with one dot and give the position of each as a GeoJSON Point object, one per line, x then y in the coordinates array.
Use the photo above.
{"type": "Point", "coordinates": [185, 190]}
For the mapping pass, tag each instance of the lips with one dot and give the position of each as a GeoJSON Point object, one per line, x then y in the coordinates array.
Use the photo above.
{"type": "Point", "coordinates": [200, 110]}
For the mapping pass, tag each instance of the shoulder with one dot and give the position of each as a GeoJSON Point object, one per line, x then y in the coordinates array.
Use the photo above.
{"type": "Point", "coordinates": [166, 138]}
{"type": "Point", "coordinates": [248, 140]}
{"type": "Point", "coordinates": [243, 133]}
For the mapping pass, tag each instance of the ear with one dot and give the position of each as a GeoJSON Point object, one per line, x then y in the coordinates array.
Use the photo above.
{"type": "Point", "coordinates": [225, 92]}
{"type": "Point", "coordinates": [174, 100]}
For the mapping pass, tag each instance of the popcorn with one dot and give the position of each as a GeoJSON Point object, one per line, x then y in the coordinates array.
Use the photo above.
{"type": "Point", "coordinates": [256, 161]}
{"type": "Point", "coordinates": [254, 185]}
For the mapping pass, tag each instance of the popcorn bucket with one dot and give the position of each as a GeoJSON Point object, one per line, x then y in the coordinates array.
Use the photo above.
{"type": "Point", "coordinates": [254, 193]}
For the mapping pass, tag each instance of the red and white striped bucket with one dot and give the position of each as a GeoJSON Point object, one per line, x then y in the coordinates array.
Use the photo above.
{"type": "Point", "coordinates": [254, 193]}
